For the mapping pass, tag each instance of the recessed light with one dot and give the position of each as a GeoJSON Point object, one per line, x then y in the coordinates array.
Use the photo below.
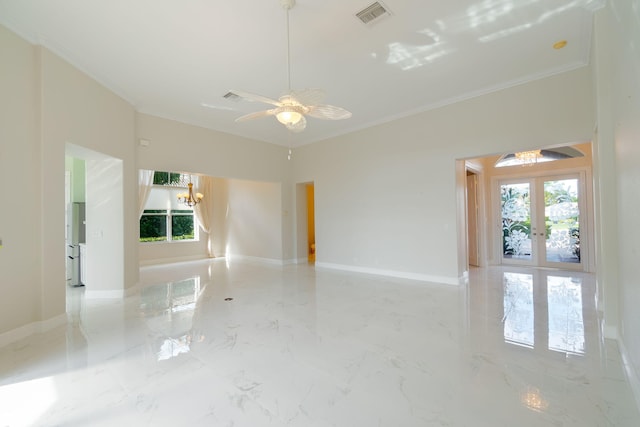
{"type": "Point", "coordinates": [560, 44]}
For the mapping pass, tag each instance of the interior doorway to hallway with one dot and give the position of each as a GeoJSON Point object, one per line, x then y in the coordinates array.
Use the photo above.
{"type": "Point", "coordinates": [99, 183]}
{"type": "Point", "coordinates": [305, 223]}
{"type": "Point", "coordinates": [550, 224]}
{"type": "Point", "coordinates": [311, 223]}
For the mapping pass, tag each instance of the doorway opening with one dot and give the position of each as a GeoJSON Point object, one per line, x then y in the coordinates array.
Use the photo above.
{"type": "Point", "coordinates": [473, 232]}
{"type": "Point", "coordinates": [311, 224]}
{"type": "Point", "coordinates": [306, 249]}
{"type": "Point", "coordinates": [536, 214]}
{"type": "Point", "coordinates": [101, 267]}
{"type": "Point", "coordinates": [75, 221]}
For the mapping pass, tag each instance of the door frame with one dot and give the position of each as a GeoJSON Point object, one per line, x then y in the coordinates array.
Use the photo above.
{"type": "Point", "coordinates": [478, 171]}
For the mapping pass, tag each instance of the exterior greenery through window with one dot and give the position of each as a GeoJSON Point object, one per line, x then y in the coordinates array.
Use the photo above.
{"type": "Point", "coordinates": [174, 224]}
{"type": "Point", "coordinates": [167, 178]}
{"type": "Point", "coordinates": [561, 220]}
{"type": "Point", "coordinates": [156, 225]}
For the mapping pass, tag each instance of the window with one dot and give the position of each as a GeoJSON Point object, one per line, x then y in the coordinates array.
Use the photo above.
{"type": "Point", "coordinates": [181, 224]}
{"type": "Point", "coordinates": [549, 155]}
{"type": "Point", "coordinates": [164, 219]}
{"type": "Point", "coordinates": [167, 178]}
{"type": "Point", "coordinates": [153, 225]}
{"type": "Point", "coordinates": [159, 225]}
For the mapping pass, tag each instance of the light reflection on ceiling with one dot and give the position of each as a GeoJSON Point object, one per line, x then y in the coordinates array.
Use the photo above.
{"type": "Point", "coordinates": [489, 11]}
{"type": "Point", "coordinates": [408, 56]}
{"type": "Point", "coordinates": [490, 18]}
{"type": "Point", "coordinates": [522, 27]}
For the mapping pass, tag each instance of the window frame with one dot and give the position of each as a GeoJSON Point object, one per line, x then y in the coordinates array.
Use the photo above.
{"type": "Point", "coordinates": [168, 220]}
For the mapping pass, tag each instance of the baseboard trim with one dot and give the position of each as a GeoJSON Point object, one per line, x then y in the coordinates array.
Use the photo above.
{"type": "Point", "coordinates": [632, 375]}
{"type": "Point", "coordinates": [32, 328]}
{"type": "Point", "coordinates": [304, 260]}
{"type": "Point", "coordinates": [392, 273]}
{"type": "Point", "coordinates": [173, 260]}
{"type": "Point", "coordinates": [272, 261]}
{"type": "Point", "coordinates": [111, 294]}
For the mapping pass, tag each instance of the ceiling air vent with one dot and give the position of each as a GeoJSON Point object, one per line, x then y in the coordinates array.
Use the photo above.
{"type": "Point", "coordinates": [231, 96]}
{"type": "Point", "coordinates": [373, 13]}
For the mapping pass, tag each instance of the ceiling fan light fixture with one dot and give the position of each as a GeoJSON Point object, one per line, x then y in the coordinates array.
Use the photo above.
{"type": "Point", "coordinates": [288, 116]}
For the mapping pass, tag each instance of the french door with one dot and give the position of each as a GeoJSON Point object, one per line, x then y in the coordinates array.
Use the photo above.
{"type": "Point", "coordinates": [540, 220]}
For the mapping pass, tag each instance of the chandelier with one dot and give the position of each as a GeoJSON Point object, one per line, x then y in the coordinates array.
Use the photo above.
{"type": "Point", "coordinates": [528, 158]}
{"type": "Point", "coordinates": [189, 199]}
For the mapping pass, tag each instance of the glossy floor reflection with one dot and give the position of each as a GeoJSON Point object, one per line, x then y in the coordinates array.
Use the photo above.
{"type": "Point", "coordinates": [245, 344]}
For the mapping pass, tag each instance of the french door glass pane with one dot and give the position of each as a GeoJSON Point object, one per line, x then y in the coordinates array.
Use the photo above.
{"type": "Point", "coordinates": [562, 220]}
{"type": "Point", "coordinates": [516, 220]}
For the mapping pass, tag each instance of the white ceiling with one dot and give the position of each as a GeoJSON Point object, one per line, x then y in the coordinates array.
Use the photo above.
{"type": "Point", "coordinates": [177, 58]}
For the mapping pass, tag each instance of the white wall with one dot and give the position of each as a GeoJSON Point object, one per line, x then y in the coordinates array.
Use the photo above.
{"type": "Point", "coordinates": [254, 220]}
{"type": "Point", "coordinates": [617, 75]}
{"type": "Point", "coordinates": [20, 161]}
{"type": "Point", "coordinates": [386, 196]}
{"type": "Point", "coordinates": [105, 221]}
{"type": "Point", "coordinates": [220, 210]}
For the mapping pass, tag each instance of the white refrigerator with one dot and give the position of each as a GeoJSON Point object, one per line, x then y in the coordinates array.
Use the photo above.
{"type": "Point", "coordinates": [75, 237]}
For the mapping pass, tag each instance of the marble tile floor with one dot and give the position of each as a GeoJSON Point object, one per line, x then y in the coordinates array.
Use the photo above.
{"type": "Point", "coordinates": [212, 343]}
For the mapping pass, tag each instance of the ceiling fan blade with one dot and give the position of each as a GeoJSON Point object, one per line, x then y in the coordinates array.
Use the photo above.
{"type": "Point", "coordinates": [307, 97]}
{"type": "Point", "coordinates": [256, 115]}
{"type": "Point", "coordinates": [256, 98]}
{"type": "Point", "coordinates": [328, 112]}
{"type": "Point", "coordinates": [298, 127]}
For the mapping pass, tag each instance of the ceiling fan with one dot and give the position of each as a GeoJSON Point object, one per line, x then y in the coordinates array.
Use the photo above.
{"type": "Point", "coordinates": [292, 107]}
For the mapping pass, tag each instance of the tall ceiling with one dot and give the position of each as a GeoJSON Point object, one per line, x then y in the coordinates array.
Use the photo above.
{"type": "Point", "coordinates": [178, 58]}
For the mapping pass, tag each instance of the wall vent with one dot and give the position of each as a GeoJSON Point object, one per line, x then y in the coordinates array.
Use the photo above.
{"type": "Point", "coordinates": [231, 96]}
{"type": "Point", "coordinates": [373, 13]}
